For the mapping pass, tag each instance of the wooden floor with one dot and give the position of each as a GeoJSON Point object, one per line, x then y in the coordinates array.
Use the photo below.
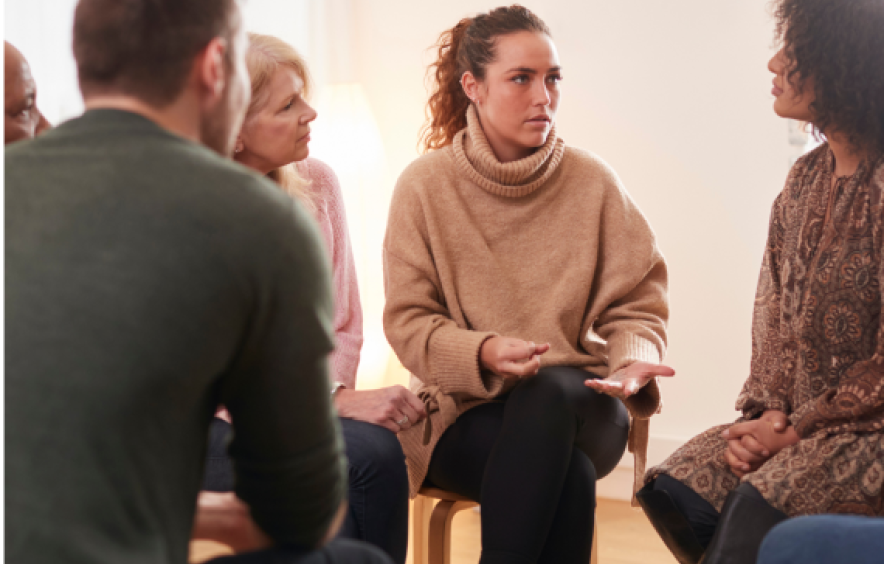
{"type": "Point", "coordinates": [625, 537]}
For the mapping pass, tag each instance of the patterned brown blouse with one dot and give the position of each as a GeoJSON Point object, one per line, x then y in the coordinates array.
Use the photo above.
{"type": "Point", "coordinates": [817, 350]}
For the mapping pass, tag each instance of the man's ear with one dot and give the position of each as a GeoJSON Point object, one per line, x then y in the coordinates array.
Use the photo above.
{"type": "Point", "coordinates": [211, 69]}
{"type": "Point", "coordinates": [470, 86]}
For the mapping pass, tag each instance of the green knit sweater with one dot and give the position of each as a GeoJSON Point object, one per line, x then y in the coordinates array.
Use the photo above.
{"type": "Point", "coordinates": [147, 280]}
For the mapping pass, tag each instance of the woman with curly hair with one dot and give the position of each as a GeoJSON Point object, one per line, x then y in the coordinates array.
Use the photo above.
{"type": "Point", "coordinates": [524, 289]}
{"type": "Point", "coordinates": [809, 440]}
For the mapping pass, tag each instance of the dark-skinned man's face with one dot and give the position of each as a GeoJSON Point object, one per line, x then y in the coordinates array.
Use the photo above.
{"type": "Point", "coordinates": [22, 118]}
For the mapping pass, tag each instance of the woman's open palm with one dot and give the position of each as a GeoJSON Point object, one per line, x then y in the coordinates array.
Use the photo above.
{"type": "Point", "coordinates": [630, 379]}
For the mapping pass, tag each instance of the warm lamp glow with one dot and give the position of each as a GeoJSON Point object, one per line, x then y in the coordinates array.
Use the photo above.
{"type": "Point", "coordinates": [347, 138]}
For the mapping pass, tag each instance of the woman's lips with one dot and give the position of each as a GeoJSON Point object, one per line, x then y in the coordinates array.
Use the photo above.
{"type": "Point", "coordinates": [776, 90]}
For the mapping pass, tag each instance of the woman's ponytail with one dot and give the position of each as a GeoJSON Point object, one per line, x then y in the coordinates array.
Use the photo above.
{"type": "Point", "coordinates": [468, 46]}
{"type": "Point", "coordinates": [447, 106]}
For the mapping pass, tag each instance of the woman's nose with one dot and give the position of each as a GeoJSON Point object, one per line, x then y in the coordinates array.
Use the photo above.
{"type": "Point", "coordinates": [542, 96]}
{"type": "Point", "coordinates": [310, 115]}
{"type": "Point", "coordinates": [775, 64]}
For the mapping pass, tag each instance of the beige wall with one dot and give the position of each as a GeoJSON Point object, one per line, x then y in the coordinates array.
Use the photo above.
{"type": "Point", "coordinates": [675, 96]}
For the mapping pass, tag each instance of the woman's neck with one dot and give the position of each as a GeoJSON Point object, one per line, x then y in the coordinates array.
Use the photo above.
{"type": "Point", "coordinates": [258, 165]}
{"type": "Point", "coordinates": [847, 157]}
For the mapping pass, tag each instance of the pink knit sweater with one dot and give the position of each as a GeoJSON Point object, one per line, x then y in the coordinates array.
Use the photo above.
{"type": "Point", "coordinates": [326, 192]}
{"type": "Point", "coordinates": [330, 214]}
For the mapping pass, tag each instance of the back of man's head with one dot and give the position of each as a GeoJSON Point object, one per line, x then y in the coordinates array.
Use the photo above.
{"type": "Point", "coordinates": [146, 48]}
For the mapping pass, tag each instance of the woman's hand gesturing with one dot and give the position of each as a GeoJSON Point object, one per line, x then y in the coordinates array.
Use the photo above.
{"type": "Point", "coordinates": [511, 358]}
{"type": "Point", "coordinates": [629, 379]}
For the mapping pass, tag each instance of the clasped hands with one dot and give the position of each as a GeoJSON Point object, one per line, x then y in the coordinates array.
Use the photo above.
{"type": "Point", "coordinates": [752, 443]}
{"type": "Point", "coordinates": [514, 358]}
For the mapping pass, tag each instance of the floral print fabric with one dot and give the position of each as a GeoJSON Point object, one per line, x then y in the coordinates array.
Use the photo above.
{"type": "Point", "coordinates": [817, 350]}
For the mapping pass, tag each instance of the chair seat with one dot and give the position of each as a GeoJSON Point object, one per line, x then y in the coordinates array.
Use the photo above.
{"type": "Point", "coordinates": [436, 493]}
{"type": "Point", "coordinates": [432, 525]}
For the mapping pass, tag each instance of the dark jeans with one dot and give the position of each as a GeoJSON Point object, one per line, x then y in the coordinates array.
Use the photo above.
{"type": "Point", "coordinates": [532, 462]}
{"type": "Point", "coordinates": [340, 551]}
{"type": "Point", "coordinates": [378, 483]}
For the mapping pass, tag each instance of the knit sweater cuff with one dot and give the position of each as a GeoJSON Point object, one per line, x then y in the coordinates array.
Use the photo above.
{"type": "Point", "coordinates": [625, 349]}
{"type": "Point", "coordinates": [455, 365]}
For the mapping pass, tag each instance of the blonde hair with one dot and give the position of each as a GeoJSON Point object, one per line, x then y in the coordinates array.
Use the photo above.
{"type": "Point", "coordinates": [265, 54]}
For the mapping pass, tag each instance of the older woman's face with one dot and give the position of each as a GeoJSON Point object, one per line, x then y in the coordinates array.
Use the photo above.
{"type": "Point", "coordinates": [789, 103]}
{"type": "Point", "coordinates": [22, 119]}
{"type": "Point", "coordinates": [279, 132]}
{"type": "Point", "coordinates": [518, 99]}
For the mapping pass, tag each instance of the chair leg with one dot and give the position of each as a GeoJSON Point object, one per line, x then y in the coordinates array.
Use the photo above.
{"type": "Point", "coordinates": [440, 530]}
{"type": "Point", "coordinates": [432, 531]}
{"type": "Point", "coordinates": [420, 519]}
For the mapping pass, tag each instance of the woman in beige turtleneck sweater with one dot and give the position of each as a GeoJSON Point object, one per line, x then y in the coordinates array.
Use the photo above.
{"type": "Point", "coordinates": [526, 295]}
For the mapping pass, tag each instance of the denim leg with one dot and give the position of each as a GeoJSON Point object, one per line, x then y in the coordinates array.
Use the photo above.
{"type": "Point", "coordinates": [821, 539]}
{"type": "Point", "coordinates": [378, 488]}
{"type": "Point", "coordinates": [218, 475]}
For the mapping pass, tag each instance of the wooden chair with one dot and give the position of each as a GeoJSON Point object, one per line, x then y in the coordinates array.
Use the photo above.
{"type": "Point", "coordinates": [432, 519]}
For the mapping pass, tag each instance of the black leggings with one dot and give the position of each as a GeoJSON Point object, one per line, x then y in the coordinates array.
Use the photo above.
{"type": "Point", "coordinates": [532, 462]}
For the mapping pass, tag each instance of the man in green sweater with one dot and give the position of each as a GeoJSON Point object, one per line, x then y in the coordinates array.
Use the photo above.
{"type": "Point", "coordinates": [148, 279]}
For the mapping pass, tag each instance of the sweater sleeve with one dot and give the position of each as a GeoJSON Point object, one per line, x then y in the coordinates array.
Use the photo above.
{"type": "Point", "coordinates": [417, 323]}
{"type": "Point", "coordinates": [631, 306]}
{"type": "Point", "coordinates": [287, 450]}
{"type": "Point", "coordinates": [767, 385]}
{"type": "Point", "coordinates": [348, 309]}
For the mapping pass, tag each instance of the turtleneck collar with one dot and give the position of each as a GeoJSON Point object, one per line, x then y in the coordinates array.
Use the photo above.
{"type": "Point", "coordinates": [514, 179]}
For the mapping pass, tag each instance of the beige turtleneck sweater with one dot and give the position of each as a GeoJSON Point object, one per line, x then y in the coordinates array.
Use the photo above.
{"type": "Point", "coordinates": [549, 248]}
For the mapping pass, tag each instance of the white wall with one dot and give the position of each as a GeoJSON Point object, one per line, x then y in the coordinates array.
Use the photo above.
{"type": "Point", "coordinates": [675, 96]}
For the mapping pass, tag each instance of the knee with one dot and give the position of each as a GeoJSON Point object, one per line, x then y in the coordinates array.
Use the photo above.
{"type": "Point", "coordinates": [548, 390]}
{"type": "Point", "coordinates": [581, 478]}
{"type": "Point", "coordinates": [824, 538]}
{"type": "Point", "coordinates": [375, 454]}
{"type": "Point", "coordinates": [791, 540]}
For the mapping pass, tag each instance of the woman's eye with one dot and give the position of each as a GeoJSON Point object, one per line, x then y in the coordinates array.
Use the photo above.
{"type": "Point", "coordinates": [554, 78]}
{"type": "Point", "coordinates": [520, 79]}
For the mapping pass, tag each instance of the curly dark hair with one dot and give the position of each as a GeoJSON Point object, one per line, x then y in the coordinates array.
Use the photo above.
{"type": "Point", "coordinates": [839, 44]}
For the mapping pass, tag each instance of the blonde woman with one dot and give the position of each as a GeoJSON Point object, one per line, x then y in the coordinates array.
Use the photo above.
{"type": "Point", "coordinates": [274, 141]}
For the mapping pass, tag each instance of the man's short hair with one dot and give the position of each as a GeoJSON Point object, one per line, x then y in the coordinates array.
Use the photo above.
{"type": "Point", "coordinates": [145, 48]}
